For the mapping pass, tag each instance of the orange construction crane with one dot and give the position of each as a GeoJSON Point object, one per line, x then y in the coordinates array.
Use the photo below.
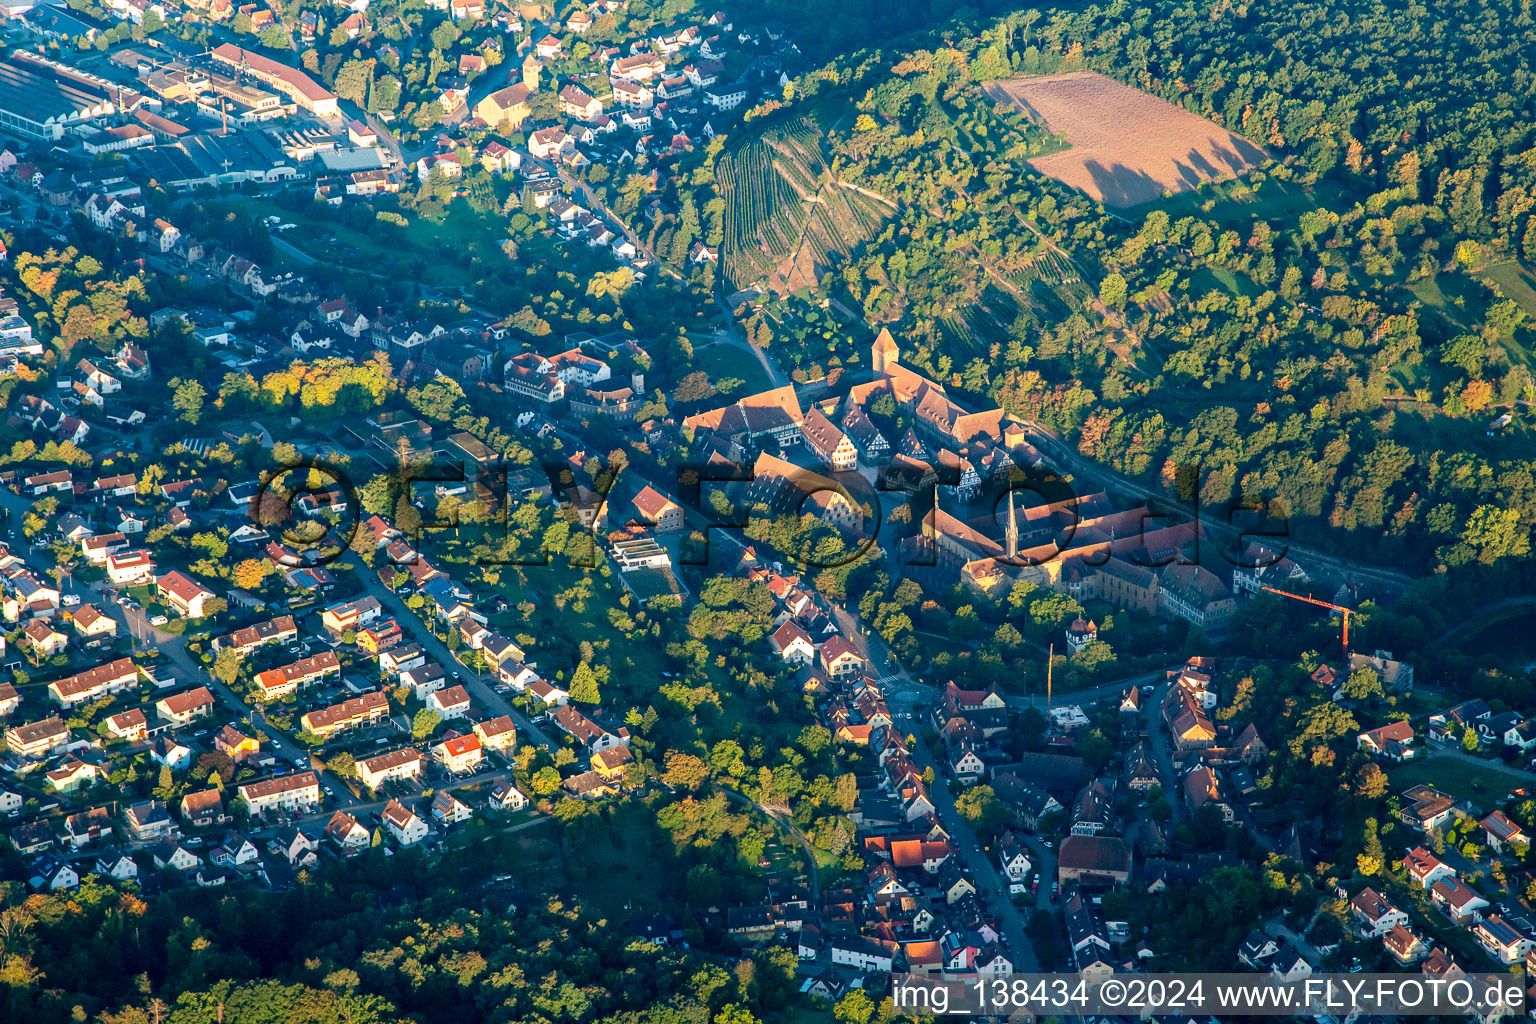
{"type": "Point", "coordinates": [1345, 613]}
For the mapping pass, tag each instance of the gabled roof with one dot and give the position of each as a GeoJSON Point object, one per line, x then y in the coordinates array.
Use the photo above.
{"type": "Point", "coordinates": [182, 586]}
{"type": "Point", "coordinates": [786, 635]}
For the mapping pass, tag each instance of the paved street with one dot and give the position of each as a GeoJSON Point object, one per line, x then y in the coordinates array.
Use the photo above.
{"type": "Point", "coordinates": [478, 687]}
{"type": "Point", "coordinates": [992, 886]}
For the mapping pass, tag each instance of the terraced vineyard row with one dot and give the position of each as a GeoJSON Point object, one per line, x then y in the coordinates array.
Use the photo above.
{"type": "Point", "coordinates": [785, 215]}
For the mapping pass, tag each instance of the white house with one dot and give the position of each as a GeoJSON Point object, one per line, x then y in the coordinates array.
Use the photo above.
{"type": "Point", "coordinates": [403, 824]}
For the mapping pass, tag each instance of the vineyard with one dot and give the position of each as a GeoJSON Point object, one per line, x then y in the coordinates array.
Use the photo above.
{"type": "Point", "coordinates": [787, 220]}
{"type": "Point", "coordinates": [972, 332]}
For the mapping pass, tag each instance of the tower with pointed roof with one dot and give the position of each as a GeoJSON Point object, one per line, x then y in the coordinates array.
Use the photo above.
{"type": "Point", "coordinates": [1012, 530]}
{"type": "Point", "coordinates": [884, 353]}
{"type": "Point", "coordinates": [531, 72]}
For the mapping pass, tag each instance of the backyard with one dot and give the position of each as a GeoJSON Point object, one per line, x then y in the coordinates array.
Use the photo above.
{"type": "Point", "coordinates": [1484, 783]}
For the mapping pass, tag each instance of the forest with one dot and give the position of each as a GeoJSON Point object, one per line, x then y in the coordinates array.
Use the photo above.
{"type": "Point", "coordinates": [1328, 337]}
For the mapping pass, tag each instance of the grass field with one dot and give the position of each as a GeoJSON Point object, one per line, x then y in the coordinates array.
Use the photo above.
{"type": "Point", "coordinates": [1516, 281]}
{"type": "Point", "coordinates": [1205, 279]}
{"type": "Point", "coordinates": [429, 252]}
{"type": "Point", "coordinates": [722, 361]}
{"type": "Point", "coordinates": [1511, 636]}
{"type": "Point", "coordinates": [1484, 784]}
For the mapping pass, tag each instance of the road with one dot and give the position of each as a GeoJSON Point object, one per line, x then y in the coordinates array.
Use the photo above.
{"type": "Point", "coordinates": [1162, 754]}
{"type": "Point", "coordinates": [778, 819]}
{"type": "Point", "coordinates": [910, 692]}
{"type": "Point", "coordinates": [1481, 615]}
{"type": "Point", "coordinates": [412, 625]}
{"type": "Point", "coordinates": [596, 205]}
{"type": "Point", "coordinates": [292, 251]}
{"type": "Point", "coordinates": [734, 335]}
{"type": "Point", "coordinates": [991, 884]}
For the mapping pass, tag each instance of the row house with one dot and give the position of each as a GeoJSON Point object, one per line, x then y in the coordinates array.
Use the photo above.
{"type": "Point", "coordinates": [354, 713]}
{"type": "Point", "coordinates": [276, 683]}
{"type": "Point", "coordinates": [280, 630]}
{"type": "Point", "coordinates": [184, 708]}
{"type": "Point", "coordinates": [93, 684]}
{"type": "Point", "coordinates": [37, 739]}
{"type": "Point", "coordinates": [297, 792]}
{"type": "Point", "coordinates": [392, 766]}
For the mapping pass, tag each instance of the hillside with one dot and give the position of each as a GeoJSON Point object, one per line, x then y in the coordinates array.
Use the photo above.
{"type": "Point", "coordinates": [787, 218]}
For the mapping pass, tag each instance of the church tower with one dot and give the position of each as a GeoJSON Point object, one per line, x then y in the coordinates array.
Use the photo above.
{"type": "Point", "coordinates": [531, 73]}
{"type": "Point", "coordinates": [1011, 531]}
{"type": "Point", "coordinates": [884, 354]}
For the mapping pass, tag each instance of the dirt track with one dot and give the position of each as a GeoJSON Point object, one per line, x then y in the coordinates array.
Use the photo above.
{"type": "Point", "coordinates": [1127, 146]}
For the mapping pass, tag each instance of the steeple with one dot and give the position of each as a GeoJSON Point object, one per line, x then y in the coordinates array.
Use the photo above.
{"type": "Point", "coordinates": [1012, 530]}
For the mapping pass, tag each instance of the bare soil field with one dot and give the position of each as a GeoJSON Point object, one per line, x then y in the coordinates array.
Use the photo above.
{"type": "Point", "coordinates": [1127, 146]}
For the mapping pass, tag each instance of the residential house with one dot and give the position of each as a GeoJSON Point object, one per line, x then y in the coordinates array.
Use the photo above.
{"type": "Point", "coordinates": [1503, 833]}
{"type": "Point", "coordinates": [1457, 901]}
{"type": "Point", "coordinates": [183, 594]}
{"type": "Point", "coordinates": [507, 798]}
{"type": "Point", "coordinates": [128, 725]}
{"type": "Point", "coordinates": [452, 702]}
{"type": "Point", "coordinates": [203, 809]}
{"type": "Point", "coordinates": [182, 708]}
{"type": "Point", "coordinates": [1376, 914]}
{"type": "Point", "coordinates": [395, 765]}
{"type": "Point", "coordinates": [402, 824]}
{"type": "Point", "coordinates": [92, 626]}
{"type": "Point", "coordinates": [344, 831]}
{"type": "Point", "coordinates": [1393, 741]}
{"type": "Point", "coordinates": [449, 809]}
{"type": "Point", "coordinates": [498, 734]}
{"type": "Point", "coordinates": [148, 821]}
{"type": "Point", "coordinates": [1093, 859]}
{"type": "Point", "coordinates": [459, 754]}
{"type": "Point", "coordinates": [1424, 869]}
{"type": "Point", "coordinates": [1501, 939]}
{"type": "Point", "coordinates": [292, 793]}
